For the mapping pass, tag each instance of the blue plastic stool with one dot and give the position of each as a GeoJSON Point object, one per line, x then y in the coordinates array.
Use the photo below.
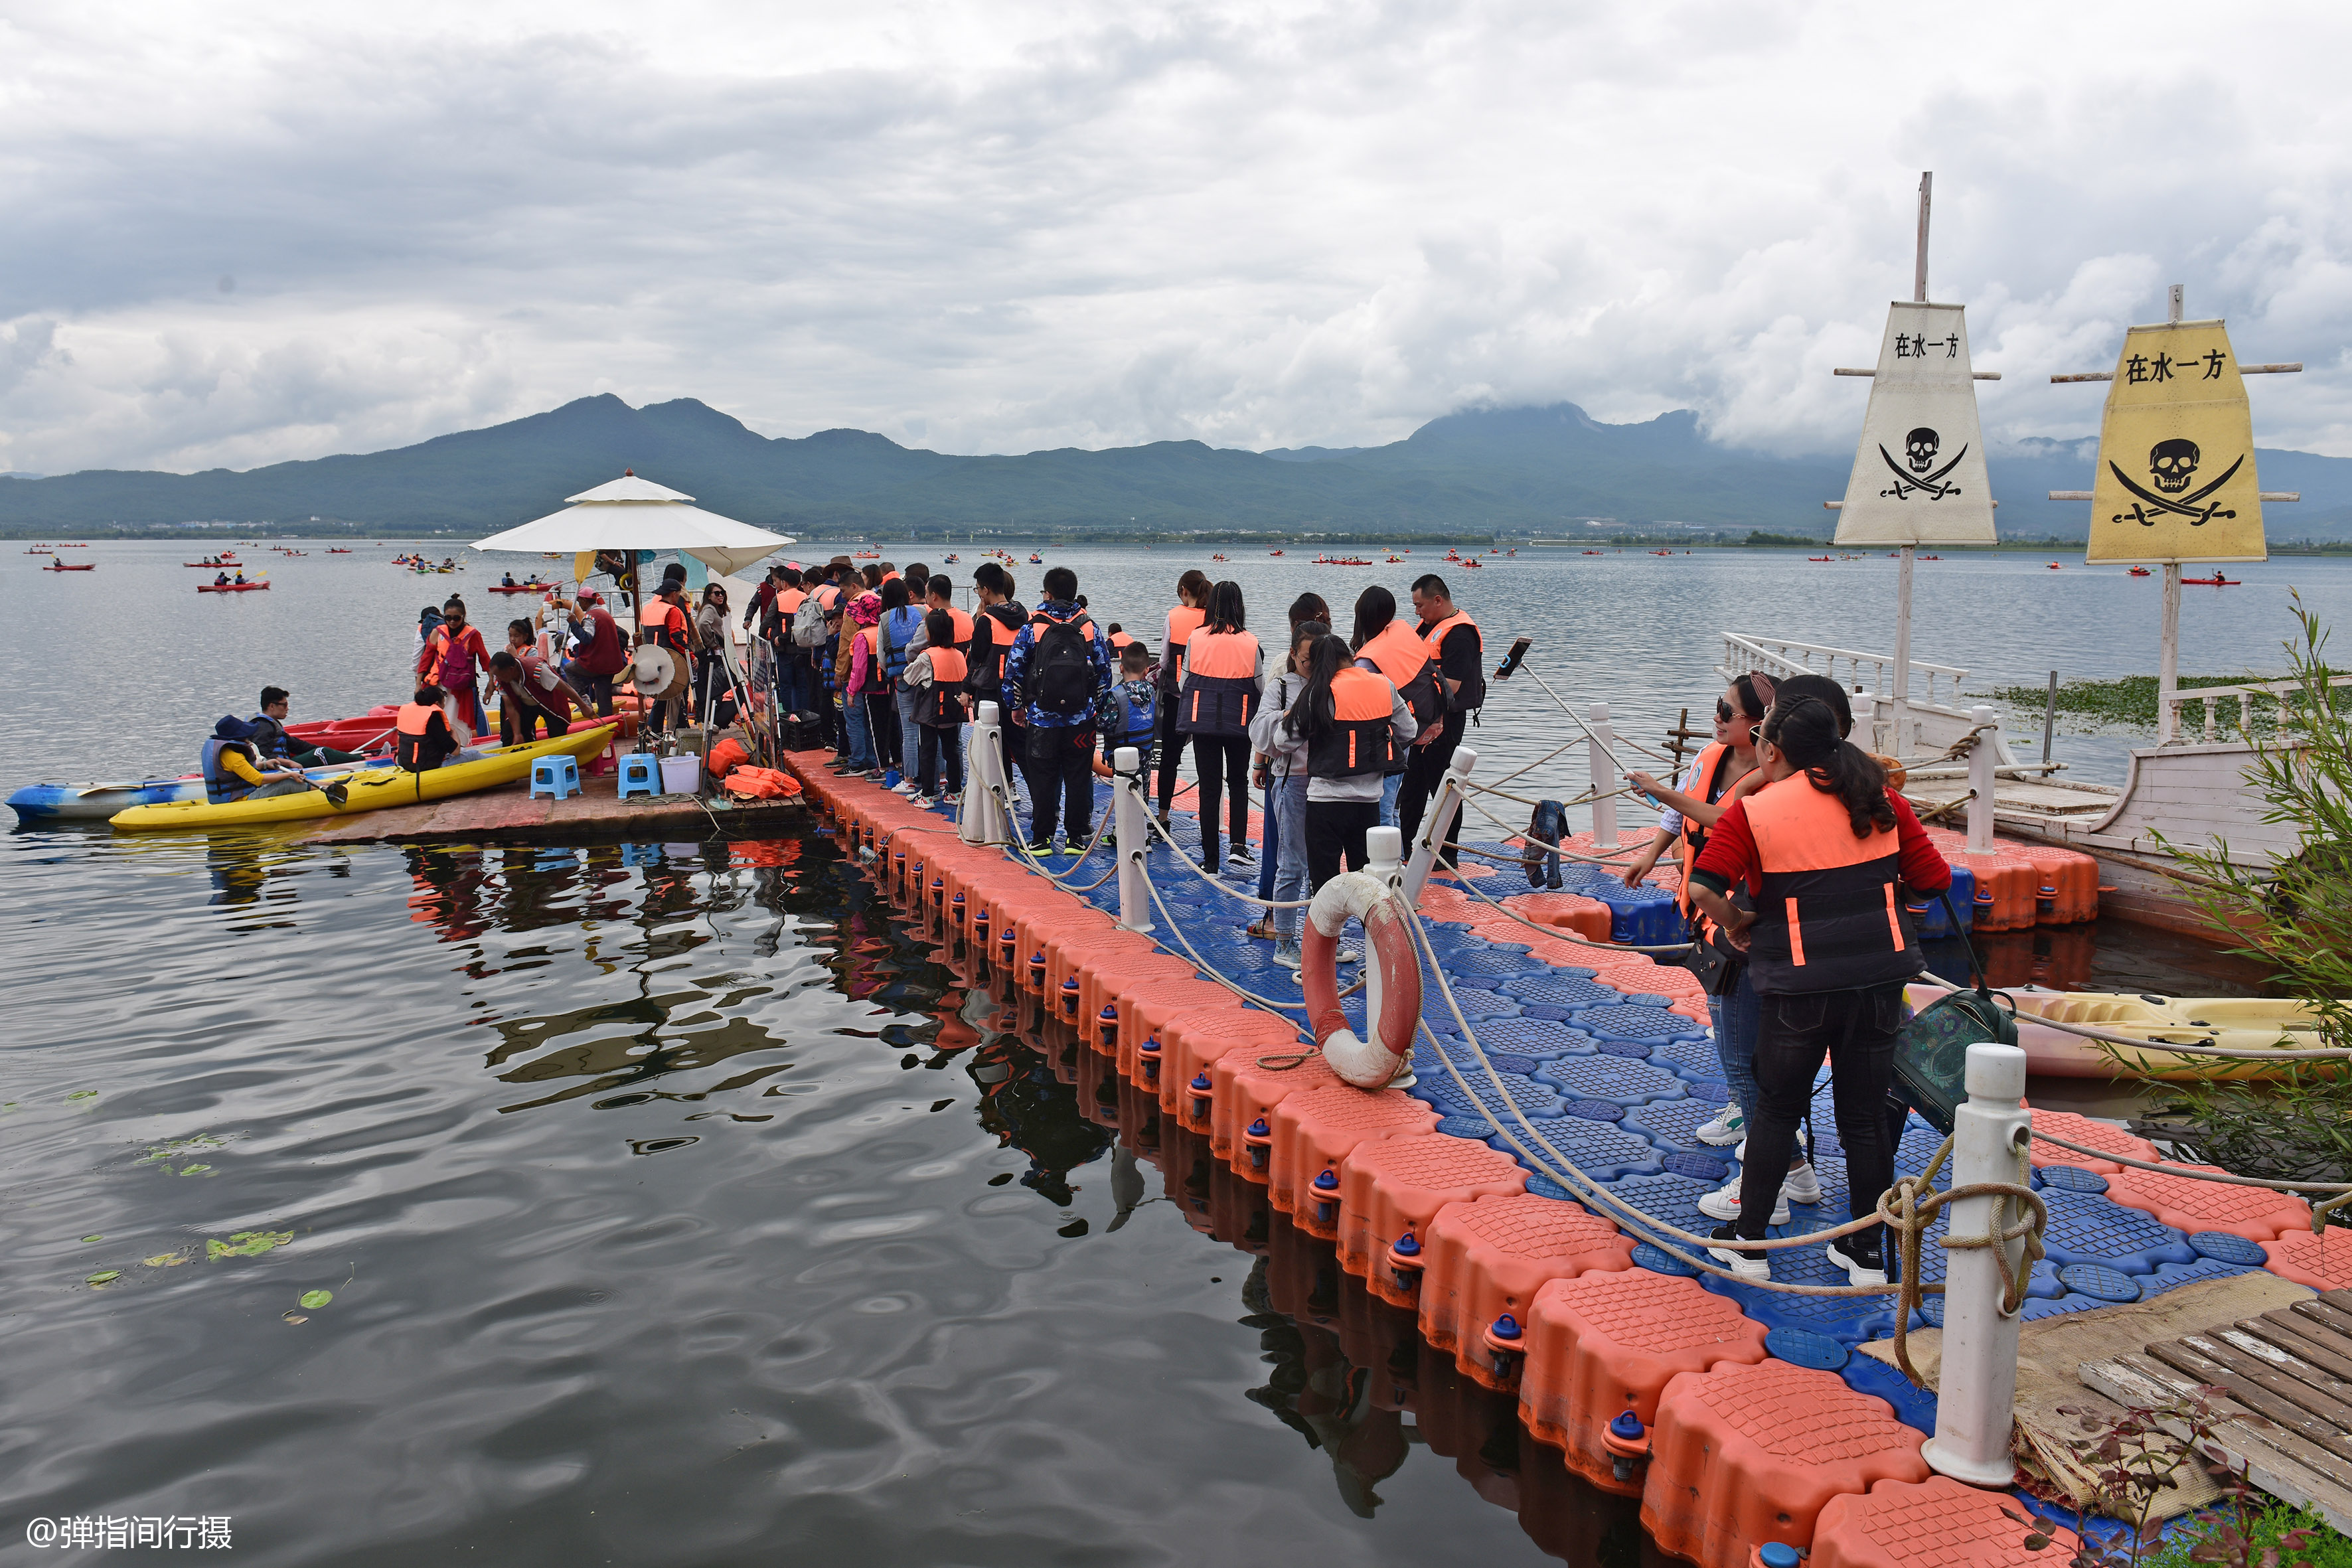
{"type": "Point", "coordinates": [558, 777]}
{"type": "Point", "coordinates": [640, 774]}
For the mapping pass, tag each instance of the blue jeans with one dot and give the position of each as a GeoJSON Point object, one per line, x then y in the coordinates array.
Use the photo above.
{"type": "Point", "coordinates": [861, 738]}
{"type": "Point", "coordinates": [1389, 787]}
{"type": "Point", "coordinates": [1286, 826]}
{"type": "Point", "coordinates": [910, 734]}
{"type": "Point", "coordinates": [1736, 1019]}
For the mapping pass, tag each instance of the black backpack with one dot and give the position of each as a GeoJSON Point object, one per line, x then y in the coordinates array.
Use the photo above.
{"type": "Point", "coordinates": [1062, 667]}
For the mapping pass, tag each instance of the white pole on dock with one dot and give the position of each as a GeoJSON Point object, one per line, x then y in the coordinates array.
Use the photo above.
{"type": "Point", "coordinates": [1976, 1389]}
{"type": "Point", "coordinates": [1448, 798]}
{"type": "Point", "coordinates": [1984, 759]}
{"type": "Point", "coordinates": [1131, 837]}
{"type": "Point", "coordinates": [1598, 743]}
{"type": "Point", "coordinates": [982, 819]}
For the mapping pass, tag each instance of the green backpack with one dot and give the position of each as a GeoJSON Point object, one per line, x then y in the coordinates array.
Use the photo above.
{"type": "Point", "coordinates": [1931, 1054]}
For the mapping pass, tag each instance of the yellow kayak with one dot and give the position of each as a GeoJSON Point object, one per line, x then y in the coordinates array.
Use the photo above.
{"type": "Point", "coordinates": [2234, 1023]}
{"type": "Point", "coordinates": [365, 791]}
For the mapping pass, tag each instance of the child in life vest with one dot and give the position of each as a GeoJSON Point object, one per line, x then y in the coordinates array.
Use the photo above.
{"type": "Point", "coordinates": [936, 677]}
{"type": "Point", "coordinates": [1128, 713]}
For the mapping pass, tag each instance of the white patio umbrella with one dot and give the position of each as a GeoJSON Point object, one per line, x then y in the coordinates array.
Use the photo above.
{"type": "Point", "coordinates": [631, 513]}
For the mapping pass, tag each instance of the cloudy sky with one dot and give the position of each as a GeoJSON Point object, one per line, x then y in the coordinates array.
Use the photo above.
{"type": "Point", "coordinates": [239, 234]}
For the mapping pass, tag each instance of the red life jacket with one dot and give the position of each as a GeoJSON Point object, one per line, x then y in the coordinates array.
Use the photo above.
{"type": "Point", "coordinates": [1361, 738]}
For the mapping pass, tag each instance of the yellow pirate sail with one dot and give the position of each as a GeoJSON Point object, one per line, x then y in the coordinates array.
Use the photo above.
{"type": "Point", "coordinates": [2176, 479]}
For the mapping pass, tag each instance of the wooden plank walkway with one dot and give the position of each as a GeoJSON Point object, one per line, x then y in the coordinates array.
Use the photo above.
{"type": "Point", "coordinates": [2288, 1374]}
{"type": "Point", "coordinates": [512, 814]}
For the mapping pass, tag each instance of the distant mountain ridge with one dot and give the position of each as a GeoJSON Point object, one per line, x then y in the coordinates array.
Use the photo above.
{"type": "Point", "coordinates": [1518, 472]}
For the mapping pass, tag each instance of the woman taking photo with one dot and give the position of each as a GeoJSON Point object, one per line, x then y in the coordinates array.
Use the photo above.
{"type": "Point", "coordinates": [1827, 853]}
{"type": "Point", "coordinates": [1354, 723]}
{"type": "Point", "coordinates": [1224, 670]}
{"type": "Point", "coordinates": [1191, 609]}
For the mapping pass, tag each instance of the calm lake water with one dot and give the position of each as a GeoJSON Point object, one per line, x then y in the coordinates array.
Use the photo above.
{"type": "Point", "coordinates": [678, 1208]}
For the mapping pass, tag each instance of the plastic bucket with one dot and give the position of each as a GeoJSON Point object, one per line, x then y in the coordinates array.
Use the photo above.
{"type": "Point", "coordinates": [681, 775]}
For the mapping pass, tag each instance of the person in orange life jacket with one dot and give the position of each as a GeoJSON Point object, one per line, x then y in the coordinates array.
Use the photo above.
{"type": "Point", "coordinates": [1055, 670]}
{"type": "Point", "coordinates": [1224, 669]}
{"type": "Point", "coordinates": [861, 683]}
{"type": "Point", "coordinates": [1459, 656]}
{"type": "Point", "coordinates": [1821, 850]}
{"type": "Point", "coordinates": [935, 677]}
{"type": "Point", "coordinates": [939, 594]}
{"type": "Point", "coordinates": [453, 658]}
{"type": "Point", "coordinates": [598, 651]}
{"type": "Point", "coordinates": [1191, 609]}
{"type": "Point", "coordinates": [668, 626]}
{"type": "Point", "coordinates": [1282, 764]}
{"type": "Point", "coordinates": [270, 736]}
{"type": "Point", "coordinates": [529, 693]}
{"type": "Point", "coordinates": [1707, 793]}
{"type": "Point", "coordinates": [234, 769]}
{"type": "Point", "coordinates": [422, 738]}
{"type": "Point", "coordinates": [1387, 647]}
{"type": "Point", "coordinates": [883, 665]}
{"type": "Point", "coordinates": [999, 620]}
{"type": "Point", "coordinates": [1353, 722]}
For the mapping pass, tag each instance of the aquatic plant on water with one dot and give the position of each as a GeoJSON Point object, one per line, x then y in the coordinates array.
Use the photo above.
{"type": "Point", "coordinates": [2294, 919]}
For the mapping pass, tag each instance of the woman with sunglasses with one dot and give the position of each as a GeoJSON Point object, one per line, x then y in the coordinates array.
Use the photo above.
{"type": "Point", "coordinates": [1708, 787]}
{"type": "Point", "coordinates": [1828, 854]}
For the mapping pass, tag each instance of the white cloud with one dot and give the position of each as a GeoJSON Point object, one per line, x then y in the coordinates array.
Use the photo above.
{"type": "Point", "coordinates": [1005, 227]}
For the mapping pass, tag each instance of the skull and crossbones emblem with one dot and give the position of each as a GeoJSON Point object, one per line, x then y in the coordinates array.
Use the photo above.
{"type": "Point", "coordinates": [2172, 465]}
{"type": "Point", "coordinates": [1919, 450]}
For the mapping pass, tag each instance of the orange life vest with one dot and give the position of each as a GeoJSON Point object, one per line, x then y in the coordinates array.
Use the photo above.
{"type": "Point", "coordinates": [1827, 917]}
{"type": "Point", "coordinates": [1361, 738]}
{"type": "Point", "coordinates": [1707, 771]}
{"type": "Point", "coordinates": [1000, 637]}
{"type": "Point", "coordinates": [1182, 622]}
{"type": "Point", "coordinates": [1474, 690]}
{"type": "Point", "coordinates": [410, 727]}
{"type": "Point", "coordinates": [942, 705]}
{"type": "Point", "coordinates": [788, 601]}
{"type": "Point", "coordinates": [1220, 689]}
{"type": "Point", "coordinates": [1408, 662]}
{"type": "Point", "coordinates": [961, 621]}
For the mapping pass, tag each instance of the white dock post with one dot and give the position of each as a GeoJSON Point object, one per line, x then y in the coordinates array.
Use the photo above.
{"type": "Point", "coordinates": [1977, 1391]}
{"type": "Point", "coordinates": [1597, 745]}
{"type": "Point", "coordinates": [1432, 824]}
{"type": "Point", "coordinates": [1984, 759]}
{"type": "Point", "coordinates": [982, 819]}
{"type": "Point", "coordinates": [1131, 837]}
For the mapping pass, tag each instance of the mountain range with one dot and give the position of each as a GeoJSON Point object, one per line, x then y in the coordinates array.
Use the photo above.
{"type": "Point", "coordinates": [1516, 472]}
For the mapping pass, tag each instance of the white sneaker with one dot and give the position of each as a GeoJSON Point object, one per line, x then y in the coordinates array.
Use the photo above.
{"type": "Point", "coordinates": [954, 799]}
{"type": "Point", "coordinates": [1746, 1264]}
{"type": "Point", "coordinates": [909, 788]}
{"type": "Point", "coordinates": [1801, 1186]}
{"type": "Point", "coordinates": [1861, 1270]}
{"type": "Point", "coordinates": [1723, 1203]}
{"type": "Point", "coordinates": [1728, 1126]}
{"type": "Point", "coordinates": [1287, 956]}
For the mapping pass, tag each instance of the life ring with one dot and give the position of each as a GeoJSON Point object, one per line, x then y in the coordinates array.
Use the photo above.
{"type": "Point", "coordinates": [1391, 979]}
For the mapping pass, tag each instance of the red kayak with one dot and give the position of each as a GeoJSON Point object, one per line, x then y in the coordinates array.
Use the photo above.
{"type": "Point", "coordinates": [208, 587]}
{"type": "Point", "coordinates": [521, 587]}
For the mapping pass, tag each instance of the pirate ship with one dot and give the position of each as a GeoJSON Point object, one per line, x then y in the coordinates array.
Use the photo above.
{"type": "Point", "coordinates": [2176, 484]}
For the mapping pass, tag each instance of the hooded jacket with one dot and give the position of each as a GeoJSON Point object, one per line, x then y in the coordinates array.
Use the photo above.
{"type": "Point", "coordinates": [1024, 648]}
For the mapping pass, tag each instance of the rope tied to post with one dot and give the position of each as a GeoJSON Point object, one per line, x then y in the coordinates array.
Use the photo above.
{"type": "Point", "coordinates": [1909, 1206]}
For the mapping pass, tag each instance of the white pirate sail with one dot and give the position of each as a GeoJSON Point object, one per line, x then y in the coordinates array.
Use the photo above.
{"type": "Point", "coordinates": [1919, 472]}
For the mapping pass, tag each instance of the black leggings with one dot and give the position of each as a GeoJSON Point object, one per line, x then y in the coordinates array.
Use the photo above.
{"type": "Point", "coordinates": [1855, 1030]}
{"type": "Point", "coordinates": [1214, 756]}
{"type": "Point", "coordinates": [1172, 749]}
{"type": "Point", "coordinates": [1336, 828]}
